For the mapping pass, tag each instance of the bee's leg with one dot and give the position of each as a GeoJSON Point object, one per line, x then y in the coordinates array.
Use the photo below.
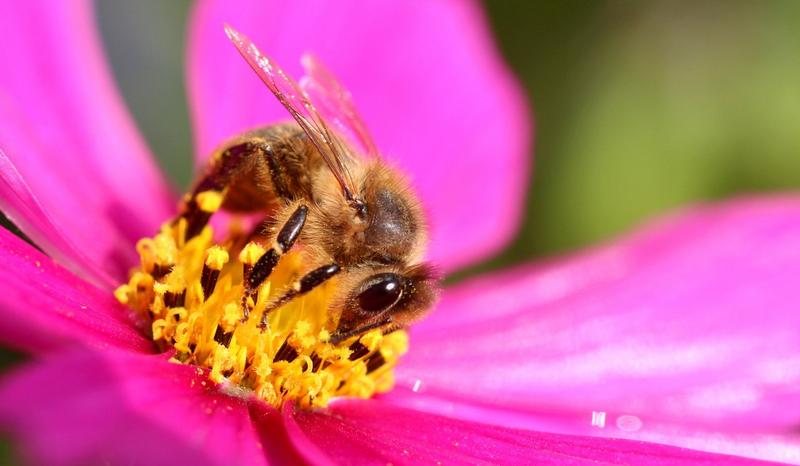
{"type": "Point", "coordinates": [220, 176]}
{"type": "Point", "coordinates": [302, 286]}
{"type": "Point", "coordinates": [254, 276]}
{"type": "Point", "coordinates": [342, 335]}
{"type": "Point", "coordinates": [252, 173]}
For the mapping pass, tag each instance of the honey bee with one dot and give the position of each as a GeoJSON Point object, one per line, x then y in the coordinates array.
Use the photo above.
{"type": "Point", "coordinates": [323, 182]}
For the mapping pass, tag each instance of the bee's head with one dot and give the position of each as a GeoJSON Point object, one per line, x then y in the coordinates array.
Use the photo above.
{"type": "Point", "coordinates": [395, 224]}
{"type": "Point", "coordinates": [383, 223]}
{"type": "Point", "coordinates": [380, 293]}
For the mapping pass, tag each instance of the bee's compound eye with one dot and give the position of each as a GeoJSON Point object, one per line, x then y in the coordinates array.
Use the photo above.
{"type": "Point", "coordinates": [380, 292]}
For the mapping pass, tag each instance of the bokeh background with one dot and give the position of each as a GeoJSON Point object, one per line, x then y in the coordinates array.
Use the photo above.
{"type": "Point", "coordinates": [640, 107]}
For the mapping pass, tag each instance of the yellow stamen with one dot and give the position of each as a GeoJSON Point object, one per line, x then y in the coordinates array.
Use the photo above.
{"type": "Point", "coordinates": [291, 359]}
{"type": "Point", "coordinates": [216, 258]}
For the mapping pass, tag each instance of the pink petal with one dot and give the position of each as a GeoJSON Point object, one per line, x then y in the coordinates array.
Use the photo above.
{"type": "Point", "coordinates": [427, 79]}
{"type": "Point", "coordinates": [690, 325]}
{"type": "Point", "coordinates": [783, 447]}
{"type": "Point", "coordinates": [18, 201]}
{"type": "Point", "coordinates": [64, 128]}
{"type": "Point", "coordinates": [372, 432]}
{"type": "Point", "coordinates": [43, 307]}
{"type": "Point", "coordinates": [121, 408]}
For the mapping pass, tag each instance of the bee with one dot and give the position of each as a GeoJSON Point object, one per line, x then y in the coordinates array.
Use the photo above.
{"type": "Point", "coordinates": [324, 183]}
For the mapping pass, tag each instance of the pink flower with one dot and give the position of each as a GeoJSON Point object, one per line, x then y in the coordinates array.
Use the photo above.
{"type": "Point", "coordinates": [683, 334]}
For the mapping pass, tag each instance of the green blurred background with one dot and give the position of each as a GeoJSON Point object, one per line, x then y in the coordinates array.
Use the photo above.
{"type": "Point", "coordinates": [640, 107]}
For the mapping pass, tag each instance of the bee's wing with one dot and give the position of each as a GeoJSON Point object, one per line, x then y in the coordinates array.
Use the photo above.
{"type": "Point", "coordinates": [299, 105]}
{"type": "Point", "coordinates": [335, 103]}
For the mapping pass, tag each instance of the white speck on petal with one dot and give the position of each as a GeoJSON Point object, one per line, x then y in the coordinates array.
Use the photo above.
{"type": "Point", "coordinates": [599, 419]}
{"type": "Point", "coordinates": [417, 385]}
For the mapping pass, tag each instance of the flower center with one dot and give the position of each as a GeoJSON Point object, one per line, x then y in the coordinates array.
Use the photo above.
{"type": "Point", "coordinates": [194, 294]}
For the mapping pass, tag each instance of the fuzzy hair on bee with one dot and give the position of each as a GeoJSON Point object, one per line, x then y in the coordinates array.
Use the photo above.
{"type": "Point", "coordinates": [326, 191]}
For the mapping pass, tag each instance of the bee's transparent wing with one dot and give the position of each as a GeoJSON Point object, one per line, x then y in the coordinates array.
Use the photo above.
{"type": "Point", "coordinates": [335, 103]}
{"type": "Point", "coordinates": [300, 106]}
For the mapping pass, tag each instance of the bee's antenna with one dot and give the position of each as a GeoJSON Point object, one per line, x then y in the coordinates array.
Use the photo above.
{"type": "Point", "coordinates": [359, 206]}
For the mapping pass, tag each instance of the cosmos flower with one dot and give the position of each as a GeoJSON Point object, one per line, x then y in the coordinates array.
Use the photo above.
{"type": "Point", "coordinates": [682, 334]}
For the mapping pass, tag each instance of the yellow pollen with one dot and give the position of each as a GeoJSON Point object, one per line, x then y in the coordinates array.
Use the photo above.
{"type": "Point", "coordinates": [289, 358]}
{"type": "Point", "coordinates": [216, 258]}
{"type": "Point", "coordinates": [209, 201]}
{"type": "Point", "coordinates": [251, 253]}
